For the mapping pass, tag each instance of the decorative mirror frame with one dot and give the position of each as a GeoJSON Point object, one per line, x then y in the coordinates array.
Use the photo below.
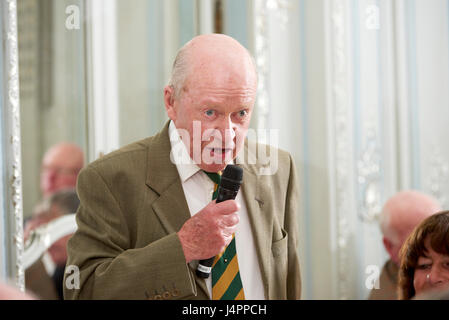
{"type": "Point", "coordinates": [11, 184]}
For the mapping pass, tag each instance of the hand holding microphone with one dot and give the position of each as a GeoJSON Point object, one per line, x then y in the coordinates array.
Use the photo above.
{"type": "Point", "coordinates": [209, 231]}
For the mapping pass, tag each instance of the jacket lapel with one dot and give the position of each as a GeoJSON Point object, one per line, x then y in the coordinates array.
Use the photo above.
{"type": "Point", "coordinates": [162, 176]}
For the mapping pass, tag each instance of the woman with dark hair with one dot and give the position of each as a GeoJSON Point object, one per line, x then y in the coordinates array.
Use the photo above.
{"type": "Point", "coordinates": [425, 258]}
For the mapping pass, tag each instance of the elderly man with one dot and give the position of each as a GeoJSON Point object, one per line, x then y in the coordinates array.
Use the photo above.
{"type": "Point", "coordinates": [400, 215]}
{"type": "Point", "coordinates": [147, 216]}
{"type": "Point", "coordinates": [60, 167]}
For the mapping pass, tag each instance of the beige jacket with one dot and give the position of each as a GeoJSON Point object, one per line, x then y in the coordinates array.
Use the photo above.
{"type": "Point", "coordinates": [132, 205]}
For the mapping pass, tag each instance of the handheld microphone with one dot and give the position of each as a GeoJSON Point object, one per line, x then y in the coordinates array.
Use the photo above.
{"type": "Point", "coordinates": [227, 190]}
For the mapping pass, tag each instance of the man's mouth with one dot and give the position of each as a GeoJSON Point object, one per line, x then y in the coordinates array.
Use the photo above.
{"type": "Point", "coordinates": [221, 151]}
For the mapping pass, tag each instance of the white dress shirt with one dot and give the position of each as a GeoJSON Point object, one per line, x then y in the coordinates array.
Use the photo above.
{"type": "Point", "coordinates": [198, 190]}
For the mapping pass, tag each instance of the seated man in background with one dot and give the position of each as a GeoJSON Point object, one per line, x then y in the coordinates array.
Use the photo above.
{"type": "Point", "coordinates": [400, 215]}
{"type": "Point", "coordinates": [60, 167]}
{"type": "Point", "coordinates": [59, 171]}
{"type": "Point", "coordinates": [45, 276]}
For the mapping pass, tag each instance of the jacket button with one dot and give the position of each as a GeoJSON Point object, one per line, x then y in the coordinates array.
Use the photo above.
{"type": "Point", "coordinates": [166, 295]}
{"type": "Point", "coordinates": [175, 292]}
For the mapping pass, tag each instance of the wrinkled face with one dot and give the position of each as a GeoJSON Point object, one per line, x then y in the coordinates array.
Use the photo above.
{"type": "Point", "coordinates": [217, 122]}
{"type": "Point", "coordinates": [214, 110]}
{"type": "Point", "coordinates": [431, 272]}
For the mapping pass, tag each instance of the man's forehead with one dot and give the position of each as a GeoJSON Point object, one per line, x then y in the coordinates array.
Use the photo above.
{"type": "Point", "coordinates": [213, 63]}
{"type": "Point", "coordinates": [237, 91]}
{"type": "Point", "coordinates": [222, 82]}
{"type": "Point", "coordinates": [64, 158]}
{"type": "Point", "coordinates": [206, 96]}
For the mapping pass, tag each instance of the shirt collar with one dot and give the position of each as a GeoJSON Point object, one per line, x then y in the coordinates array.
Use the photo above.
{"type": "Point", "coordinates": [185, 165]}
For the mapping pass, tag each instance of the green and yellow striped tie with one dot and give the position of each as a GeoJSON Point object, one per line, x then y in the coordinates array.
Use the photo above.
{"type": "Point", "coordinates": [226, 282]}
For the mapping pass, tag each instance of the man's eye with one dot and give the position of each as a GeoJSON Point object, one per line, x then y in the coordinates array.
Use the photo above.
{"type": "Point", "coordinates": [210, 113]}
{"type": "Point", "coordinates": [243, 113]}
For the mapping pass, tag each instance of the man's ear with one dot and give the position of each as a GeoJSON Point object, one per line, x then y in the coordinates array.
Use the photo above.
{"type": "Point", "coordinates": [389, 246]}
{"type": "Point", "coordinates": [169, 101]}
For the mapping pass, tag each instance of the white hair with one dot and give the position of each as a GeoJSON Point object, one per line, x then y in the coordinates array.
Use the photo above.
{"type": "Point", "coordinates": [180, 70]}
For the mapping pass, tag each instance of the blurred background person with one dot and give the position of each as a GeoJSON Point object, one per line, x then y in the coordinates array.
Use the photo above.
{"type": "Point", "coordinates": [424, 265]}
{"type": "Point", "coordinates": [60, 167]}
{"type": "Point", "coordinates": [59, 171]}
{"type": "Point", "coordinates": [400, 215]}
{"type": "Point", "coordinates": [45, 276]}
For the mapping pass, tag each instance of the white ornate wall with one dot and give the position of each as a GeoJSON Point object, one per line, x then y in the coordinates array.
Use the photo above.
{"type": "Point", "coordinates": [358, 89]}
{"type": "Point", "coordinates": [423, 95]}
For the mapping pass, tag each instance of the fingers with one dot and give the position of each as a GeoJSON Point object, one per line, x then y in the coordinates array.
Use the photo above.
{"type": "Point", "coordinates": [209, 231]}
{"type": "Point", "coordinates": [226, 217]}
{"type": "Point", "coordinates": [230, 220]}
{"type": "Point", "coordinates": [227, 238]}
{"type": "Point", "coordinates": [225, 207]}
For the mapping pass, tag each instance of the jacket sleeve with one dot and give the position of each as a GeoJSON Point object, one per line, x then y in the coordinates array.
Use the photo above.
{"type": "Point", "coordinates": [291, 226]}
{"type": "Point", "coordinates": [108, 267]}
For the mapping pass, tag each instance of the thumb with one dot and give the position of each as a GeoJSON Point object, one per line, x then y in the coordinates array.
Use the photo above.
{"type": "Point", "coordinates": [226, 207]}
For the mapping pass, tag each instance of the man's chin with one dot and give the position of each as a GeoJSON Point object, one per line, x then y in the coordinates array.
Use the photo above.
{"type": "Point", "coordinates": [213, 167]}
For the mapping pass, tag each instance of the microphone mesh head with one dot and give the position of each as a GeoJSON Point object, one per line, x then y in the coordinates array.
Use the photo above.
{"type": "Point", "coordinates": [232, 177]}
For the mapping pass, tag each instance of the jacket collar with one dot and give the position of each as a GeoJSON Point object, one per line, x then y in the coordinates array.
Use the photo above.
{"type": "Point", "coordinates": [161, 172]}
{"type": "Point", "coordinates": [184, 164]}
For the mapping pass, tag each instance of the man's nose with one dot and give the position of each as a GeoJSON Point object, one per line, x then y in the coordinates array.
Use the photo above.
{"type": "Point", "coordinates": [228, 132]}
